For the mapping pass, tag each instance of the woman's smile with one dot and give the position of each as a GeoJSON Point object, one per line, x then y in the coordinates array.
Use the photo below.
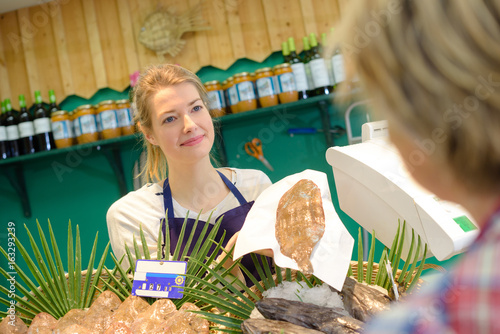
{"type": "Point", "coordinates": [193, 141]}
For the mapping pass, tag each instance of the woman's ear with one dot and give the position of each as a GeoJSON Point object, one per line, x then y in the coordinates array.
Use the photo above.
{"type": "Point", "coordinates": [147, 134]}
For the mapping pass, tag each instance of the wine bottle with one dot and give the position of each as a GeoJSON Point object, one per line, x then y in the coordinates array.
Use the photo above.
{"type": "Point", "coordinates": [338, 69]}
{"type": "Point", "coordinates": [307, 58]}
{"type": "Point", "coordinates": [323, 52]}
{"type": "Point", "coordinates": [299, 71]}
{"type": "Point", "coordinates": [43, 130]}
{"type": "Point", "coordinates": [286, 52]}
{"type": "Point", "coordinates": [26, 129]}
{"type": "Point", "coordinates": [4, 148]}
{"type": "Point", "coordinates": [319, 72]}
{"type": "Point", "coordinates": [11, 122]}
{"type": "Point", "coordinates": [53, 107]}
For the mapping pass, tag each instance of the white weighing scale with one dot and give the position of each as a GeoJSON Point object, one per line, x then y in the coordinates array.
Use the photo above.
{"type": "Point", "coordinates": [376, 190]}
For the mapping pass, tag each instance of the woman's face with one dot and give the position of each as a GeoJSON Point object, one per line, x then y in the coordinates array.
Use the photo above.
{"type": "Point", "coordinates": [181, 124]}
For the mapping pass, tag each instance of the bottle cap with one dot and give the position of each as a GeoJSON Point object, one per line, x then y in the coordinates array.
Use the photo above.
{"type": "Point", "coordinates": [305, 42]}
{"type": "Point", "coordinates": [52, 96]}
{"type": "Point", "coordinates": [38, 97]}
{"type": "Point", "coordinates": [285, 49]}
{"type": "Point", "coordinates": [313, 40]}
{"type": "Point", "coordinates": [291, 44]}
{"type": "Point", "coordinates": [22, 101]}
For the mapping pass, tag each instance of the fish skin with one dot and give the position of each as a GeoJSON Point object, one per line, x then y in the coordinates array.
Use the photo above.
{"type": "Point", "coordinates": [300, 223]}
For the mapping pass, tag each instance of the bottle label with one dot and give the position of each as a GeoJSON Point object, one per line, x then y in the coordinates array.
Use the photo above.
{"type": "Point", "coordinates": [108, 119]}
{"type": "Point", "coordinates": [310, 81]}
{"type": "Point", "coordinates": [62, 130]}
{"type": "Point", "coordinates": [12, 132]}
{"type": "Point", "coordinates": [124, 117]}
{"type": "Point", "coordinates": [338, 68]}
{"type": "Point", "coordinates": [300, 74]}
{"type": "Point", "coordinates": [233, 95]}
{"type": "Point", "coordinates": [42, 125]}
{"type": "Point", "coordinates": [266, 86]}
{"type": "Point", "coordinates": [245, 91]}
{"type": "Point", "coordinates": [26, 129]}
{"type": "Point", "coordinates": [215, 100]}
{"type": "Point", "coordinates": [86, 124]}
{"type": "Point", "coordinates": [286, 82]}
{"type": "Point", "coordinates": [319, 73]}
{"type": "Point", "coordinates": [3, 133]}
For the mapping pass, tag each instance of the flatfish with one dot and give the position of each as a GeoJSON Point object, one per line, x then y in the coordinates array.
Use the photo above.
{"type": "Point", "coordinates": [300, 223]}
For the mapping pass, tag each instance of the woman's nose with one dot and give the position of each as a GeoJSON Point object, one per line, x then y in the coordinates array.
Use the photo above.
{"type": "Point", "coordinates": [189, 124]}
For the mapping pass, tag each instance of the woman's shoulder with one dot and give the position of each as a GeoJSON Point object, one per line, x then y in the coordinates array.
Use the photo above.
{"type": "Point", "coordinates": [243, 177]}
{"type": "Point", "coordinates": [145, 196]}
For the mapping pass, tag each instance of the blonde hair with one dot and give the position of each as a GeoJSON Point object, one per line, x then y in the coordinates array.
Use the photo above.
{"type": "Point", "coordinates": [432, 68]}
{"type": "Point", "coordinates": [151, 81]}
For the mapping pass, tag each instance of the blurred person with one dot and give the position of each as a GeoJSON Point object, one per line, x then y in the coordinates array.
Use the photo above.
{"type": "Point", "coordinates": [432, 69]}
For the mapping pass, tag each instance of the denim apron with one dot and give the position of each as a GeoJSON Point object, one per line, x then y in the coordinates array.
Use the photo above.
{"type": "Point", "coordinates": [232, 222]}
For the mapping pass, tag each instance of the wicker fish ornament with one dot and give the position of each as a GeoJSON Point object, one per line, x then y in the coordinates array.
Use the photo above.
{"type": "Point", "coordinates": [162, 30]}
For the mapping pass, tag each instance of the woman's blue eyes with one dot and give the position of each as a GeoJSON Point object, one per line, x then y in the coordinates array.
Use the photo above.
{"type": "Point", "coordinates": [172, 118]}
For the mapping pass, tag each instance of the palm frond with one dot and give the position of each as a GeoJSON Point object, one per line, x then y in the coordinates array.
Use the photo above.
{"type": "Point", "coordinates": [52, 291]}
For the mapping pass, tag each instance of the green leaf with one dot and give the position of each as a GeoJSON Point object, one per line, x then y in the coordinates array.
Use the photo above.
{"type": "Point", "coordinates": [88, 295]}
{"type": "Point", "coordinates": [123, 275]}
{"type": "Point", "coordinates": [397, 257]}
{"type": "Point", "coordinates": [59, 280]}
{"type": "Point", "coordinates": [371, 256]}
{"type": "Point", "coordinates": [60, 267]}
{"type": "Point", "coordinates": [409, 274]}
{"type": "Point", "coordinates": [360, 256]}
{"type": "Point", "coordinates": [145, 248]}
{"type": "Point", "coordinates": [420, 268]}
{"type": "Point", "coordinates": [36, 274]}
{"type": "Point", "coordinates": [191, 236]}
{"type": "Point", "coordinates": [222, 300]}
{"type": "Point", "coordinates": [159, 255]}
{"type": "Point", "coordinates": [408, 258]}
{"type": "Point", "coordinates": [78, 267]}
{"type": "Point", "coordinates": [137, 251]}
{"type": "Point", "coordinates": [88, 277]}
{"type": "Point", "coordinates": [380, 273]}
{"type": "Point", "coordinates": [44, 280]}
{"type": "Point", "coordinates": [177, 250]}
{"type": "Point", "coordinates": [279, 275]}
{"type": "Point", "coordinates": [349, 271]}
{"type": "Point", "coordinates": [71, 268]}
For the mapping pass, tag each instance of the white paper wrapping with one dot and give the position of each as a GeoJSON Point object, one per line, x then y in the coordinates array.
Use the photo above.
{"type": "Point", "coordinates": [331, 255]}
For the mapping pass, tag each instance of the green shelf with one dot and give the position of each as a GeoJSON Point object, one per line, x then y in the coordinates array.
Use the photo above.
{"type": "Point", "coordinates": [13, 168]}
{"type": "Point", "coordinates": [60, 151]}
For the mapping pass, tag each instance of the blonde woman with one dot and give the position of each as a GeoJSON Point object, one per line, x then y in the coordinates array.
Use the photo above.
{"type": "Point", "coordinates": [432, 68]}
{"type": "Point", "coordinates": [172, 114]}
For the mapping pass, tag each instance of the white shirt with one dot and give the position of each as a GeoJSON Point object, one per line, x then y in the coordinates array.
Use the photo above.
{"type": "Point", "coordinates": [145, 207]}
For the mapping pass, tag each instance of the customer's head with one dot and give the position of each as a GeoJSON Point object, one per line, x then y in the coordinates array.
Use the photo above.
{"type": "Point", "coordinates": [432, 68]}
{"type": "Point", "coordinates": [153, 80]}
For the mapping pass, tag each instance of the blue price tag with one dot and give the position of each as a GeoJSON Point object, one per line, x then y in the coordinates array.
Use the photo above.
{"type": "Point", "coordinates": [159, 279]}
